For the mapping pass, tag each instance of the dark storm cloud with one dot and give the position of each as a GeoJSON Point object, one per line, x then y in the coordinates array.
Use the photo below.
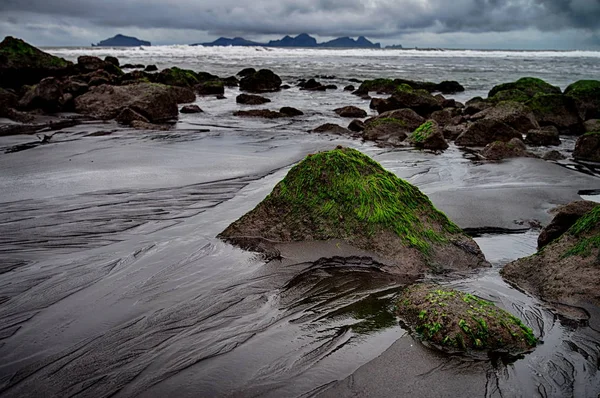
{"type": "Point", "coordinates": [374, 18]}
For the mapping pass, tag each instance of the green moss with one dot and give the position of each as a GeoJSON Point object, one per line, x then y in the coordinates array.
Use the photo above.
{"type": "Point", "coordinates": [584, 89]}
{"type": "Point", "coordinates": [529, 86]}
{"type": "Point", "coordinates": [404, 88]}
{"type": "Point", "coordinates": [213, 83]}
{"type": "Point", "coordinates": [343, 194]}
{"type": "Point", "coordinates": [178, 77]}
{"type": "Point", "coordinates": [585, 225]}
{"type": "Point", "coordinates": [377, 85]}
{"type": "Point", "coordinates": [510, 95]}
{"type": "Point", "coordinates": [19, 53]}
{"type": "Point", "coordinates": [592, 133]}
{"type": "Point", "coordinates": [459, 320]}
{"type": "Point", "coordinates": [423, 132]}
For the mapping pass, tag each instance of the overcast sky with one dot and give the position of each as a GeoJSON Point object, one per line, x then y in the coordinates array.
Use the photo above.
{"type": "Point", "coordinates": [518, 24]}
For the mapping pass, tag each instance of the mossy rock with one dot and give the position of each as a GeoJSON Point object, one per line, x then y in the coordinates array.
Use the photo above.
{"type": "Point", "coordinates": [178, 77]}
{"type": "Point", "coordinates": [587, 95]}
{"type": "Point", "coordinates": [344, 195]}
{"type": "Point", "coordinates": [461, 322]}
{"type": "Point", "coordinates": [429, 136]}
{"type": "Point", "coordinates": [510, 95]}
{"type": "Point", "coordinates": [22, 64]}
{"type": "Point", "coordinates": [529, 86]}
{"type": "Point", "coordinates": [566, 270]}
{"type": "Point", "coordinates": [557, 110]}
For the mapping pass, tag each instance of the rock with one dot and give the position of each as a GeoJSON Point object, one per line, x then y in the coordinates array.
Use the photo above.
{"type": "Point", "coordinates": [285, 87]}
{"type": "Point", "coordinates": [453, 132]}
{"type": "Point", "coordinates": [450, 103]}
{"type": "Point", "coordinates": [128, 116]}
{"type": "Point", "coordinates": [132, 66]}
{"type": "Point", "coordinates": [331, 87]}
{"type": "Point", "coordinates": [443, 117]}
{"type": "Point", "coordinates": [17, 116]}
{"type": "Point", "coordinates": [262, 81]}
{"type": "Point", "coordinates": [356, 125]}
{"type": "Point", "coordinates": [475, 105]}
{"type": "Point", "coordinates": [553, 155]}
{"type": "Point", "coordinates": [289, 111]}
{"type": "Point", "coordinates": [140, 125]}
{"type": "Point", "coordinates": [566, 270]}
{"type": "Point", "coordinates": [46, 96]}
{"type": "Point", "coordinates": [215, 87]}
{"type": "Point", "coordinates": [182, 95]}
{"type": "Point", "coordinates": [351, 111]}
{"type": "Point", "coordinates": [389, 86]}
{"type": "Point", "coordinates": [429, 136]}
{"type": "Point", "coordinates": [564, 218]}
{"type": "Point", "coordinates": [499, 150]}
{"type": "Point", "coordinates": [138, 76]}
{"type": "Point", "coordinates": [89, 64]}
{"type": "Point", "coordinates": [529, 86]}
{"type": "Point", "coordinates": [246, 72]}
{"type": "Point", "coordinates": [151, 68]}
{"type": "Point", "coordinates": [513, 114]}
{"type": "Point", "coordinates": [156, 102]}
{"type": "Point", "coordinates": [312, 85]}
{"type": "Point", "coordinates": [112, 60]}
{"type": "Point", "coordinates": [220, 97]}
{"type": "Point", "coordinates": [8, 100]}
{"type": "Point", "coordinates": [591, 125]}
{"type": "Point", "coordinates": [557, 110]}
{"type": "Point", "coordinates": [74, 86]}
{"type": "Point", "coordinates": [420, 101]}
{"type": "Point", "coordinates": [452, 321]}
{"type": "Point", "coordinates": [344, 195]}
{"type": "Point", "coordinates": [587, 97]}
{"type": "Point", "coordinates": [353, 80]}
{"type": "Point", "coordinates": [349, 88]}
{"type": "Point", "coordinates": [408, 118]}
{"type": "Point", "coordinates": [587, 147]}
{"type": "Point", "coordinates": [178, 77]}
{"type": "Point", "coordinates": [509, 95]}
{"type": "Point", "coordinates": [191, 109]}
{"type": "Point", "coordinates": [449, 87]}
{"type": "Point", "coordinates": [249, 99]}
{"type": "Point", "coordinates": [376, 103]}
{"type": "Point", "coordinates": [546, 136]}
{"type": "Point", "coordinates": [486, 131]}
{"type": "Point", "coordinates": [230, 81]}
{"type": "Point", "coordinates": [332, 128]}
{"type": "Point", "coordinates": [264, 113]}
{"type": "Point", "coordinates": [22, 64]}
{"type": "Point", "coordinates": [386, 130]}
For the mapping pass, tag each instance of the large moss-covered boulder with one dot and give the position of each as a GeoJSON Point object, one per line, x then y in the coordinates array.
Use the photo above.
{"type": "Point", "coordinates": [22, 64]}
{"type": "Point", "coordinates": [587, 147]}
{"type": "Point", "coordinates": [557, 110]}
{"type": "Point", "coordinates": [392, 127]}
{"type": "Point", "coordinates": [156, 102]}
{"type": "Point", "coordinates": [177, 77]}
{"type": "Point", "coordinates": [429, 136]}
{"type": "Point", "coordinates": [528, 86]}
{"type": "Point", "coordinates": [390, 86]}
{"type": "Point", "coordinates": [456, 321]}
{"type": "Point", "coordinates": [262, 81]}
{"type": "Point", "coordinates": [344, 195]}
{"type": "Point", "coordinates": [587, 96]}
{"type": "Point", "coordinates": [567, 270]}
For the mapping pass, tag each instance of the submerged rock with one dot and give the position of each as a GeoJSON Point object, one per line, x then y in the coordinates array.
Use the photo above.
{"type": "Point", "coordinates": [291, 112]}
{"type": "Point", "coordinates": [587, 147]}
{"type": "Point", "coordinates": [191, 109]}
{"type": "Point", "coordinates": [249, 99]}
{"type": "Point", "coordinates": [553, 155]}
{"type": "Point", "coordinates": [456, 321]}
{"type": "Point", "coordinates": [565, 271]}
{"type": "Point", "coordinates": [344, 195]}
{"type": "Point", "coordinates": [429, 136]}
{"type": "Point", "coordinates": [264, 113]}
{"type": "Point", "coordinates": [332, 128]}
{"type": "Point", "coordinates": [351, 111]}
{"type": "Point", "coordinates": [21, 64]}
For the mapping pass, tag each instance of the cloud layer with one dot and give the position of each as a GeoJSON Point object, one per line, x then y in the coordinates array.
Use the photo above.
{"type": "Point", "coordinates": [384, 20]}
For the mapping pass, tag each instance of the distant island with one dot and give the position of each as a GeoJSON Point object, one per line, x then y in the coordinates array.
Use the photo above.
{"type": "Point", "coordinates": [302, 40]}
{"type": "Point", "coordinates": [122, 41]}
{"type": "Point", "coordinates": [395, 47]}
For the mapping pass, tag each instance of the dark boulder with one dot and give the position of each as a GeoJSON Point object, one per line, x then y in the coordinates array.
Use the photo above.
{"type": "Point", "coordinates": [377, 102]}
{"type": "Point", "coordinates": [592, 125]}
{"type": "Point", "coordinates": [351, 111]}
{"type": "Point", "coordinates": [246, 72]}
{"type": "Point", "coordinates": [559, 111]}
{"type": "Point", "coordinates": [156, 102]}
{"type": "Point", "coordinates": [349, 88]}
{"type": "Point", "coordinates": [385, 130]}
{"type": "Point", "coordinates": [332, 128]}
{"type": "Point", "coordinates": [564, 218]}
{"type": "Point", "coordinates": [513, 114]}
{"type": "Point", "coordinates": [89, 64]}
{"type": "Point", "coordinates": [449, 87]}
{"type": "Point", "coordinates": [231, 81]}
{"type": "Point", "coordinates": [452, 132]}
{"type": "Point", "coordinates": [47, 95]}
{"type": "Point", "coordinates": [475, 105]}
{"type": "Point", "coordinates": [356, 125]}
{"type": "Point", "coordinates": [249, 99]}
{"type": "Point", "coordinates": [499, 150]}
{"type": "Point", "coordinates": [215, 87]}
{"type": "Point", "coordinates": [191, 109]}
{"type": "Point", "coordinates": [553, 155]}
{"type": "Point", "coordinates": [151, 68]}
{"type": "Point", "coordinates": [546, 136]}
{"type": "Point", "coordinates": [408, 118]}
{"type": "Point", "coordinates": [420, 101]}
{"type": "Point", "coordinates": [138, 76]}
{"type": "Point", "coordinates": [587, 97]}
{"type": "Point", "coordinates": [312, 85]}
{"type": "Point", "coordinates": [264, 113]}
{"type": "Point", "coordinates": [587, 147]}
{"type": "Point", "coordinates": [22, 64]}
{"type": "Point", "coordinates": [291, 112]}
{"type": "Point", "coordinates": [132, 66]}
{"type": "Point", "coordinates": [112, 60]}
{"type": "Point", "coordinates": [486, 131]}
{"type": "Point", "coordinates": [8, 99]}
{"type": "Point", "coordinates": [262, 81]}
{"type": "Point", "coordinates": [177, 77]}
{"type": "Point", "coordinates": [429, 136]}
{"type": "Point", "coordinates": [127, 116]}
{"type": "Point", "coordinates": [443, 117]}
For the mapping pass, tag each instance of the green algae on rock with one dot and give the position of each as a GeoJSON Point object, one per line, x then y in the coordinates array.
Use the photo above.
{"type": "Point", "coordinates": [458, 321]}
{"type": "Point", "coordinates": [587, 96]}
{"type": "Point", "coordinates": [529, 86]}
{"type": "Point", "coordinates": [344, 194]}
{"type": "Point", "coordinates": [567, 270]}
